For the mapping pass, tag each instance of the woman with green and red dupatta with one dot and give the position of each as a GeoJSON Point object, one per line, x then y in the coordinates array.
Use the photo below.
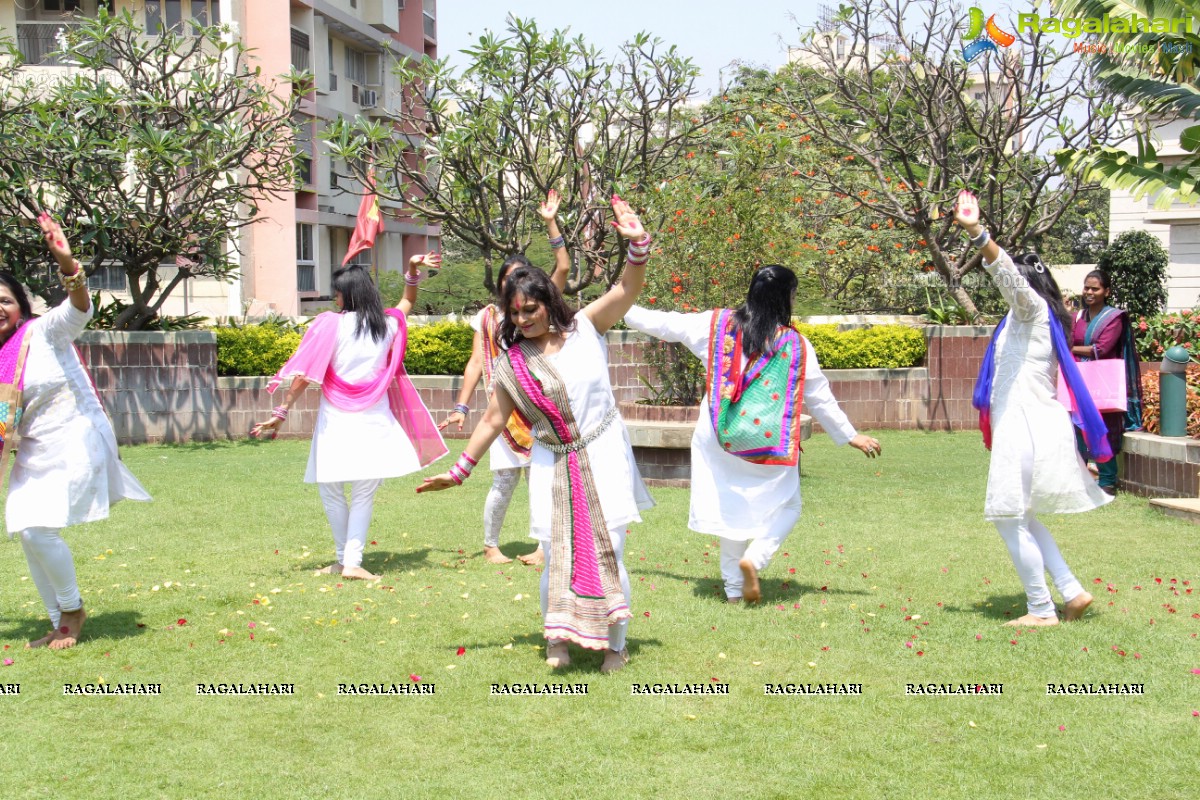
{"type": "Point", "coordinates": [1101, 331]}
{"type": "Point", "coordinates": [584, 487]}
{"type": "Point", "coordinates": [746, 445]}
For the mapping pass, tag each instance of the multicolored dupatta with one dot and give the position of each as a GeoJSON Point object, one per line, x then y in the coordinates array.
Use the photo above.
{"type": "Point", "coordinates": [516, 433]}
{"type": "Point", "coordinates": [313, 361]}
{"type": "Point", "coordinates": [755, 413]}
{"type": "Point", "coordinates": [585, 586]}
{"type": "Point", "coordinates": [12, 384]}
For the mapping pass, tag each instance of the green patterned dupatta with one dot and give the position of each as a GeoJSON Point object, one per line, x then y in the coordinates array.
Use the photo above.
{"type": "Point", "coordinates": [12, 383]}
{"type": "Point", "coordinates": [585, 595]}
{"type": "Point", "coordinates": [756, 412]}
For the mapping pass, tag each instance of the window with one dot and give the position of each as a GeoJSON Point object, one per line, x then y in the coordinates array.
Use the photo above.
{"type": "Point", "coordinates": [63, 6]}
{"type": "Point", "coordinates": [306, 265]}
{"type": "Point", "coordinates": [841, 47]}
{"type": "Point", "coordinates": [356, 66]}
{"type": "Point", "coordinates": [171, 13]}
{"type": "Point", "coordinates": [429, 9]}
{"type": "Point", "coordinates": [107, 278]}
{"type": "Point", "coordinates": [979, 95]}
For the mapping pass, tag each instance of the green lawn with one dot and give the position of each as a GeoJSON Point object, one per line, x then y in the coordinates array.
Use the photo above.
{"type": "Point", "coordinates": [214, 582]}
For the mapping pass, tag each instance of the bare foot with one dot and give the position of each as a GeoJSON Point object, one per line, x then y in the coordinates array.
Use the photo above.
{"type": "Point", "coordinates": [557, 655]}
{"type": "Point", "coordinates": [614, 661]}
{"type": "Point", "coordinates": [751, 591]}
{"type": "Point", "coordinates": [494, 556]}
{"type": "Point", "coordinates": [359, 574]}
{"type": "Point", "coordinates": [533, 559]}
{"type": "Point", "coordinates": [1031, 621]}
{"type": "Point", "coordinates": [332, 569]}
{"type": "Point", "coordinates": [1074, 609]}
{"type": "Point", "coordinates": [69, 628]}
{"type": "Point", "coordinates": [734, 600]}
{"type": "Point", "coordinates": [42, 642]}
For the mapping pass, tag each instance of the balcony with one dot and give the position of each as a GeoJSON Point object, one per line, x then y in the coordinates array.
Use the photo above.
{"type": "Point", "coordinates": [37, 41]}
{"type": "Point", "coordinates": [430, 27]}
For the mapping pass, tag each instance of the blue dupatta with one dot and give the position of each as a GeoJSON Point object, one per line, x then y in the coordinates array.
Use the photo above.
{"type": "Point", "coordinates": [1095, 433]}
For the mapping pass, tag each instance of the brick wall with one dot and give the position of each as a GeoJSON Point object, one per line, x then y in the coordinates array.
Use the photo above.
{"type": "Point", "coordinates": [162, 387]}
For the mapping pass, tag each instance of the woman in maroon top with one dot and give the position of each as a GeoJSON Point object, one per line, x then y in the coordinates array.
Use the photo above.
{"type": "Point", "coordinates": [1102, 331]}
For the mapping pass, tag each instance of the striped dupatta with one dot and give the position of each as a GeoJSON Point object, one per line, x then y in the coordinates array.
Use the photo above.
{"type": "Point", "coordinates": [516, 432]}
{"type": "Point", "coordinates": [12, 385]}
{"type": "Point", "coordinates": [585, 595]}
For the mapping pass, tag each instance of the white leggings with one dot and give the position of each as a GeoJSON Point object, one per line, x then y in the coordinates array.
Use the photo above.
{"type": "Point", "coordinates": [759, 551]}
{"type": "Point", "coordinates": [504, 483]}
{"type": "Point", "coordinates": [1033, 553]}
{"type": "Point", "coordinates": [350, 523]}
{"type": "Point", "coordinates": [53, 571]}
{"type": "Point", "coordinates": [617, 631]}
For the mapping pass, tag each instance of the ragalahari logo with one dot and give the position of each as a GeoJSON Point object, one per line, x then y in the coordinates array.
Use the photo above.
{"type": "Point", "coordinates": [984, 36]}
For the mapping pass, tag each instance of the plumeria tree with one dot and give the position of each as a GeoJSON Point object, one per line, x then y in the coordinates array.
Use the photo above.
{"type": "Point", "coordinates": [150, 150]}
{"type": "Point", "coordinates": [476, 150]}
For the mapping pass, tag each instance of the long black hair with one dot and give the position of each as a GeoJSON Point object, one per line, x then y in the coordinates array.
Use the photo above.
{"type": "Point", "coordinates": [535, 285]}
{"type": "Point", "coordinates": [514, 261]}
{"type": "Point", "coordinates": [360, 295]}
{"type": "Point", "coordinates": [1038, 276]}
{"type": "Point", "coordinates": [768, 305]}
{"type": "Point", "coordinates": [9, 281]}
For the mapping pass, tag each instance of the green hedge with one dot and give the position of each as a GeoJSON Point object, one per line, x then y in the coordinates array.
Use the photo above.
{"type": "Point", "coordinates": [254, 349]}
{"type": "Point", "coordinates": [443, 348]}
{"type": "Point", "coordinates": [879, 347]}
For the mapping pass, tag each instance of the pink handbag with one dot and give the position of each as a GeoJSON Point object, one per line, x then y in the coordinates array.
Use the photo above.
{"type": "Point", "coordinates": [1105, 381]}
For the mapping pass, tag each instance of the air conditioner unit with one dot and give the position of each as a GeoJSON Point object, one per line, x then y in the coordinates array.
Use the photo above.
{"type": "Point", "coordinates": [368, 98]}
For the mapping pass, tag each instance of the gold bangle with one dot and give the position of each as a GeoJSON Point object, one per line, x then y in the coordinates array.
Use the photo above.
{"type": "Point", "coordinates": [76, 280]}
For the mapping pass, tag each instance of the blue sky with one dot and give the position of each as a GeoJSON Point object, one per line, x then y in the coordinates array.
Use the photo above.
{"type": "Point", "coordinates": [713, 34]}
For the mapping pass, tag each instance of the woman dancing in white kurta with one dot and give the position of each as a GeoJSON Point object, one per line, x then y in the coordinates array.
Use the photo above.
{"type": "Point", "coordinates": [584, 487]}
{"type": "Point", "coordinates": [1034, 465]}
{"type": "Point", "coordinates": [371, 424]}
{"type": "Point", "coordinates": [66, 471]}
{"type": "Point", "coordinates": [749, 495]}
{"type": "Point", "coordinates": [508, 456]}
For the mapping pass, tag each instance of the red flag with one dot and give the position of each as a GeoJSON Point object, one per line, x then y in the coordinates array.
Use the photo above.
{"type": "Point", "coordinates": [368, 226]}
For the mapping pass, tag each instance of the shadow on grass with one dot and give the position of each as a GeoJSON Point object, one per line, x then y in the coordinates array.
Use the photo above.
{"type": "Point", "coordinates": [216, 444]}
{"type": "Point", "coordinates": [776, 590]}
{"type": "Point", "coordinates": [380, 562]}
{"type": "Point", "coordinates": [101, 625]}
{"type": "Point", "coordinates": [1001, 607]}
{"type": "Point", "coordinates": [584, 663]}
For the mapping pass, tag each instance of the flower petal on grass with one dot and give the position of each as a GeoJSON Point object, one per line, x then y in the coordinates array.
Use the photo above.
{"type": "Point", "coordinates": [460, 651]}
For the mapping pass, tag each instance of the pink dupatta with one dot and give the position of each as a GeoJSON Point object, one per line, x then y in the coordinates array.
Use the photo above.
{"type": "Point", "coordinates": [313, 361]}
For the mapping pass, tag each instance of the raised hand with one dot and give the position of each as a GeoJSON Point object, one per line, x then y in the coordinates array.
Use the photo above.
{"type": "Point", "coordinates": [627, 222]}
{"type": "Point", "coordinates": [966, 211]}
{"type": "Point", "coordinates": [56, 241]}
{"type": "Point", "coordinates": [549, 209]}
{"type": "Point", "coordinates": [432, 260]}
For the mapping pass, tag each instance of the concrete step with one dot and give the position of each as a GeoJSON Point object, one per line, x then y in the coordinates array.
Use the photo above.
{"type": "Point", "coordinates": [1183, 507]}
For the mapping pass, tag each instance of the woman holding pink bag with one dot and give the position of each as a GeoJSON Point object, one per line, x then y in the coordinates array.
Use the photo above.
{"type": "Point", "coordinates": [1103, 332]}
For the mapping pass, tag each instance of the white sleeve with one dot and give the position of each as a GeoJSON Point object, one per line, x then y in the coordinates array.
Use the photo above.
{"type": "Point", "coordinates": [477, 320]}
{"type": "Point", "coordinates": [1027, 305]}
{"type": "Point", "coordinates": [62, 324]}
{"type": "Point", "coordinates": [691, 330]}
{"type": "Point", "coordinates": [820, 400]}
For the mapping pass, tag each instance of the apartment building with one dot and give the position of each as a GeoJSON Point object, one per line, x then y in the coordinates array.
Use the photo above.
{"type": "Point", "coordinates": [289, 254]}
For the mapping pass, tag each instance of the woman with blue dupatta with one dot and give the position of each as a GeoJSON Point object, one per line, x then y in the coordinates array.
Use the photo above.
{"type": "Point", "coordinates": [746, 444]}
{"type": "Point", "coordinates": [1102, 331]}
{"type": "Point", "coordinates": [1035, 468]}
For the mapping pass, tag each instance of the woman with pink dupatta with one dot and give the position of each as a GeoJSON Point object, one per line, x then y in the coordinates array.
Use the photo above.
{"type": "Point", "coordinates": [371, 424]}
{"type": "Point", "coordinates": [66, 471]}
{"type": "Point", "coordinates": [584, 487]}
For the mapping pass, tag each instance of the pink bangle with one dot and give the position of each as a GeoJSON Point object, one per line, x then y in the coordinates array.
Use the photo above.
{"type": "Point", "coordinates": [279, 412]}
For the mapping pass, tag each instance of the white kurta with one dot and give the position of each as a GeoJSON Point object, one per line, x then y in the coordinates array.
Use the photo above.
{"type": "Point", "coordinates": [732, 497]}
{"type": "Point", "coordinates": [66, 469]}
{"type": "Point", "coordinates": [1035, 466]}
{"type": "Point", "coordinates": [359, 445]}
{"type": "Point", "coordinates": [500, 455]}
{"type": "Point", "coordinates": [583, 364]}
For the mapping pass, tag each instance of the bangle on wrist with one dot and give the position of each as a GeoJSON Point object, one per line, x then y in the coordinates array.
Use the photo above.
{"type": "Point", "coordinates": [462, 468]}
{"type": "Point", "coordinates": [412, 279]}
{"type": "Point", "coordinates": [981, 239]}
{"type": "Point", "coordinates": [74, 280]}
{"type": "Point", "coordinates": [462, 408]}
{"type": "Point", "coordinates": [280, 412]}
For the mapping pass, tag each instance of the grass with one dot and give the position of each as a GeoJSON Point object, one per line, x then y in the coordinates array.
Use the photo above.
{"type": "Point", "coordinates": [887, 553]}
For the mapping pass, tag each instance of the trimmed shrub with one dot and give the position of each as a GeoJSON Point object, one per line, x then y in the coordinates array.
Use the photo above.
{"type": "Point", "coordinates": [1153, 335]}
{"type": "Point", "coordinates": [443, 348]}
{"type": "Point", "coordinates": [879, 347]}
{"type": "Point", "coordinates": [1136, 262]}
{"type": "Point", "coordinates": [254, 349]}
